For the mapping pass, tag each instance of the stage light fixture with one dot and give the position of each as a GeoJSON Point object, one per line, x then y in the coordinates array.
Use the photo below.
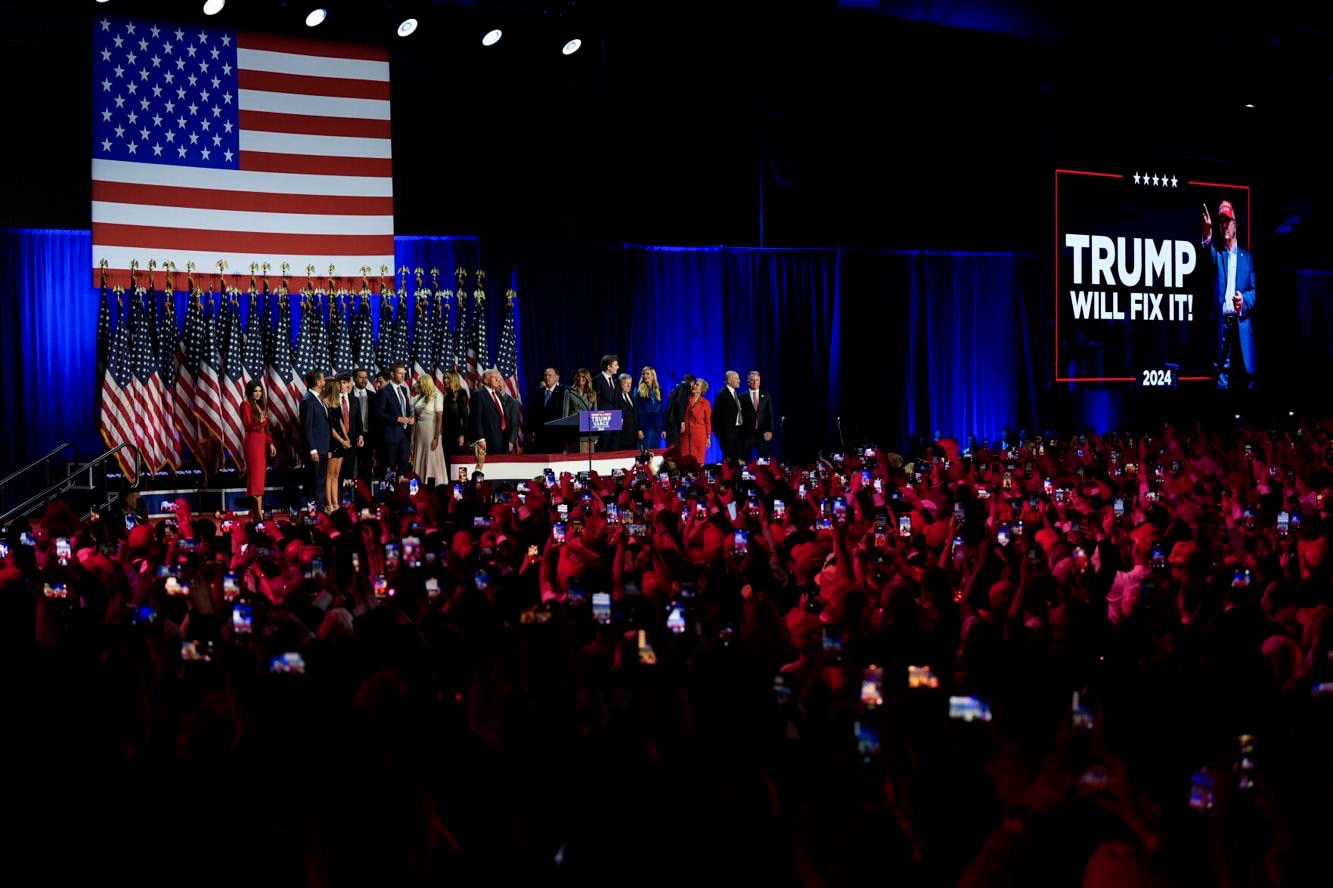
{"type": "Point", "coordinates": [407, 27]}
{"type": "Point", "coordinates": [102, 1]}
{"type": "Point", "coordinates": [571, 46]}
{"type": "Point", "coordinates": [316, 17]}
{"type": "Point", "coordinates": [1249, 105]}
{"type": "Point", "coordinates": [491, 37]}
{"type": "Point", "coordinates": [213, 7]}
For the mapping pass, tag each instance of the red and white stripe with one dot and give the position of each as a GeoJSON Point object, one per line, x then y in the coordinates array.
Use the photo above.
{"type": "Point", "coordinates": [208, 404]}
{"type": "Point", "coordinates": [117, 420]}
{"type": "Point", "coordinates": [233, 431]}
{"type": "Point", "coordinates": [182, 406]}
{"type": "Point", "coordinates": [315, 183]}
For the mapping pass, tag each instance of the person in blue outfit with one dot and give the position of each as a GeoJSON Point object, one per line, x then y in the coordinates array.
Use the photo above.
{"type": "Point", "coordinates": [1233, 299]}
{"type": "Point", "coordinates": [650, 409]}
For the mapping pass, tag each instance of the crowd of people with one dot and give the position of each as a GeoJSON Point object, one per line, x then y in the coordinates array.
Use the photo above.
{"type": "Point", "coordinates": [1102, 660]}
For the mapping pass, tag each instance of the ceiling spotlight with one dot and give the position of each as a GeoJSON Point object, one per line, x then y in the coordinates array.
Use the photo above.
{"type": "Point", "coordinates": [407, 27]}
{"type": "Point", "coordinates": [492, 37]}
{"type": "Point", "coordinates": [213, 7]}
{"type": "Point", "coordinates": [571, 47]}
{"type": "Point", "coordinates": [316, 17]}
{"type": "Point", "coordinates": [1249, 105]}
{"type": "Point", "coordinates": [101, 1]}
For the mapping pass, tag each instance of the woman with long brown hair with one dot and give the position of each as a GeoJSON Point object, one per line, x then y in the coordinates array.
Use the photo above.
{"type": "Point", "coordinates": [258, 444]}
{"type": "Point", "coordinates": [339, 442]}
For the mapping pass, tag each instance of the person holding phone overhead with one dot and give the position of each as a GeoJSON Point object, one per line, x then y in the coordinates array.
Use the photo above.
{"type": "Point", "coordinates": [1233, 298]}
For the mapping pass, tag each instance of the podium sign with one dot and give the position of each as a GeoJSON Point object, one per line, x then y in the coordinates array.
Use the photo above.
{"type": "Point", "coordinates": [600, 421]}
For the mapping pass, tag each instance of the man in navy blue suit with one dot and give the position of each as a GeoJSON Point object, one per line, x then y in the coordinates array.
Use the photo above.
{"type": "Point", "coordinates": [314, 438]}
{"type": "Point", "coordinates": [394, 421]}
{"type": "Point", "coordinates": [1233, 299]}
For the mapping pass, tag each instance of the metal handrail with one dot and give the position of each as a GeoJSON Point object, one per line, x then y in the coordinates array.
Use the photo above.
{"type": "Point", "coordinates": [32, 465]}
{"type": "Point", "coordinates": [64, 484]}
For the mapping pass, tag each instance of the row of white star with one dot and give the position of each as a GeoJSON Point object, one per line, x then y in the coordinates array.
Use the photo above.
{"type": "Point", "coordinates": [132, 56]}
{"type": "Point", "coordinates": [155, 31]}
{"type": "Point", "coordinates": [169, 135]}
{"type": "Point", "coordinates": [180, 149]}
{"type": "Point", "coordinates": [1155, 180]}
{"type": "Point", "coordinates": [133, 118]}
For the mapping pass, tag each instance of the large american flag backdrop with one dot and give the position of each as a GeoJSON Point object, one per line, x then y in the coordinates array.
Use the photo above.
{"type": "Point", "coordinates": [211, 144]}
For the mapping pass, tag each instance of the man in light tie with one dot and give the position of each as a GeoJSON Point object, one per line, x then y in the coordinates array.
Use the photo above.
{"type": "Point", "coordinates": [628, 438]}
{"type": "Point", "coordinates": [393, 413]}
{"type": "Point", "coordinates": [757, 416]}
{"type": "Point", "coordinates": [550, 404]}
{"type": "Point", "coordinates": [727, 420]}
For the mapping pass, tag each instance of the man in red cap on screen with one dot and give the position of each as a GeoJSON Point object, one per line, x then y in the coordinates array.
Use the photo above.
{"type": "Point", "coordinates": [1233, 298]}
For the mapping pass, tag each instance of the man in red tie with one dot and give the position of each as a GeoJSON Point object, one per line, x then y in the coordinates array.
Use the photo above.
{"type": "Point", "coordinates": [494, 416]}
{"type": "Point", "coordinates": [757, 417]}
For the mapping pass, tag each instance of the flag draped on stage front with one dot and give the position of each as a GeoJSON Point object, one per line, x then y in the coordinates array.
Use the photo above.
{"type": "Point", "coordinates": [210, 143]}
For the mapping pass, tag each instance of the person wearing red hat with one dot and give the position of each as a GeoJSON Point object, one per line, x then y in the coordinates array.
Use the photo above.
{"type": "Point", "coordinates": [1232, 298]}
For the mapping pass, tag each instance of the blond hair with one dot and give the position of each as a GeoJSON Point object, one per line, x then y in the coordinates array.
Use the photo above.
{"type": "Point", "coordinates": [654, 391]}
{"type": "Point", "coordinates": [427, 386]}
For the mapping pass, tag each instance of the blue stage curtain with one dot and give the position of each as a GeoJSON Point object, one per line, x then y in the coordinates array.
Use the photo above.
{"type": "Point", "coordinates": [919, 341]}
{"type": "Point", "coordinates": [943, 342]}
{"type": "Point", "coordinates": [48, 321]}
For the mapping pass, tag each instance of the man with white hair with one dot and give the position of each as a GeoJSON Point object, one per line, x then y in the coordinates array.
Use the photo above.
{"type": "Point", "coordinates": [495, 418]}
{"type": "Point", "coordinates": [728, 424]}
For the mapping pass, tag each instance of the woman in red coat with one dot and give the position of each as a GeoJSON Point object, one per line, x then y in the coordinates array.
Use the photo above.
{"type": "Point", "coordinates": [258, 445]}
{"type": "Point", "coordinates": [698, 424]}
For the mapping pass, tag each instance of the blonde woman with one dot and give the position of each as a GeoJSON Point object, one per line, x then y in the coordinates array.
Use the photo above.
{"type": "Point", "coordinates": [427, 452]}
{"type": "Point", "coordinates": [697, 427]}
{"type": "Point", "coordinates": [339, 441]}
{"type": "Point", "coordinates": [650, 409]}
{"type": "Point", "coordinates": [582, 396]}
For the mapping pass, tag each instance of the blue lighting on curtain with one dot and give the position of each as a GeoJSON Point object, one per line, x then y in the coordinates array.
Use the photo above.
{"type": "Point", "coordinates": [876, 345]}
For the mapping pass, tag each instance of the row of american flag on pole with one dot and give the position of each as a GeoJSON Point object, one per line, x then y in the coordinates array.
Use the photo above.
{"type": "Point", "coordinates": [175, 390]}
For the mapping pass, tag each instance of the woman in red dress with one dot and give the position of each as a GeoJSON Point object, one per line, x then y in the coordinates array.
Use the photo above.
{"type": "Point", "coordinates": [698, 424]}
{"type": "Point", "coordinates": [258, 445]}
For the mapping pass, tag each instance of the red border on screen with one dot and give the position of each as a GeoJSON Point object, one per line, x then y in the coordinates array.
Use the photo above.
{"type": "Point", "coordinates": [1249, 216]}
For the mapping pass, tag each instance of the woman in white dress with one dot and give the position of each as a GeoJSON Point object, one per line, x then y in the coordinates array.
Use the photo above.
{"type": "Point", "coordinates": [427, 452]}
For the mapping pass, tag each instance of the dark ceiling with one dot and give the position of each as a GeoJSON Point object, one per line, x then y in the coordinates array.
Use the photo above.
{"type": "Point", "coordinates": [890, 124]}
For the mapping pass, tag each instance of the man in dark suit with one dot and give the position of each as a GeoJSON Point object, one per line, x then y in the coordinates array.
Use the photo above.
{"type": "Point", "coordinates": [608, 396]}
{"type": "Point", "coordinates": [394, 419]}
{"type": "Point", "coordinates": [678, 400]}
{"type": "Point", "coordinates": [628, 436]}
{"type": "Point", "coordinates": [355, 428]}
{"type": "Point", "coordinates": [756, 417]}
{"type": "Point", "coordinates": [314, 438]}
{"type": "Point", "coordinates": [495, 418]}
{"type": "Point", "coordinates": [363, 405]}
{"type": "Point", "coordinates": [727, 421]}
{"type": "Point", "coordinates": [547, 404]}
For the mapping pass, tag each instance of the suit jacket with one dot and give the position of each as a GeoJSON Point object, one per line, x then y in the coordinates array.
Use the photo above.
{"type": "Point", "coordinates": [1217, 258]}
{"type": "Point", "coordinates": [314, 426]}
{"type": "Point", "coordinates": [387, 411]}
{"type": "Point", "coordinates": [677, 402]}
{"type": "Point", "coordinates": [607, 393]}
{"type": "Point", "coordinates": [485, 422]}
{"type": "Point", "coordinates": [542, 413]}
{"type": "Point", "coordinates": [366, 427]}
{"type": "Point", "coordinates": [628, 437]}
{"type": "Point", "coordinates": [354, 427]}
{"type": "Point", "coordinates": [726, 407]}
{"type": "Point", "coordinates": [748, 413]}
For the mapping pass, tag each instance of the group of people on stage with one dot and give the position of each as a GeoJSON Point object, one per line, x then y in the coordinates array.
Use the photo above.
{"type": "Point", "coordinates": [353, 426]}
{"type": "Point", "coordinates": [682, 417]}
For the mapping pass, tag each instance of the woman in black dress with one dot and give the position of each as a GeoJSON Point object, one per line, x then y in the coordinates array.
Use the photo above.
{"type": "Point", "coordinates": [454, 420]}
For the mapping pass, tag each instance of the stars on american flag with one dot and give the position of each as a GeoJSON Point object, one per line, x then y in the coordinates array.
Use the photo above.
{"type": "Point", "coordinates": [203, 103]}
